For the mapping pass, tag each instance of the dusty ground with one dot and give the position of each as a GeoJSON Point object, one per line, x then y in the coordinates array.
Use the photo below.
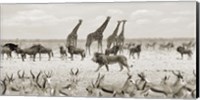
{"type": "Point", "coordinates": [152, 62]}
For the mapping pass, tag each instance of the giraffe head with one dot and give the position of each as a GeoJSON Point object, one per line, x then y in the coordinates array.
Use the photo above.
{"type": "Point", "coordinates": [108, 17]}
{"type": "Point", "coordinates": [119, 21]}
{"type": "Point", "coordinates": [124, 21]}
{"type": "Point", "coordinates": [80, 20]}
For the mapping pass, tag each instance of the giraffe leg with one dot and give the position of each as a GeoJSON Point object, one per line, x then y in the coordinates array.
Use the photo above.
{"type": "Point", "coordinates": [100, 46]}
{"type": "Point", "coordinates": [76, 43]}
{"type": "Point", "coordinates": [109, 44]}
{"type": "Point", "coordinates": [89, 50]}
{"type": "Point", "coordinates": [86, 49]}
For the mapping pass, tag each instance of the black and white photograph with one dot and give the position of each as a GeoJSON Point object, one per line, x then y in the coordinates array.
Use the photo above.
{"type": "Point", "coordinates": [116, 49]}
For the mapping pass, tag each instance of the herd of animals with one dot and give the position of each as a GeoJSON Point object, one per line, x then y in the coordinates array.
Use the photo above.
{"type": "Point", "coordinates": [41, 83]}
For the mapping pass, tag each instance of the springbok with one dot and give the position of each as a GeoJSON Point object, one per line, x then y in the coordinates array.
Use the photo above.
{"type": "Point", "coordinates": [9, 86]}
{"type": "Point", "coordinates": [100, 88]}
{"type": "Point", "coordinates": [177, 89]}
{"type": "Point", "coordinates": [191, 85]}
{"type": "Point", "coordinates": [73, 81]}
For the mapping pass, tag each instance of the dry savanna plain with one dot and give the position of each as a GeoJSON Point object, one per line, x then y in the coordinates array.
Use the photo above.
{"type": "Point", "coordinates": [155, 63]}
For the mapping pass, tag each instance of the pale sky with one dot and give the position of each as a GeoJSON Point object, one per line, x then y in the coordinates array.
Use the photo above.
{"type": "Point", "coordinates": [56, 21]}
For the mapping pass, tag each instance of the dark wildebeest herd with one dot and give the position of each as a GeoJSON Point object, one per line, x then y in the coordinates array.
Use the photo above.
{"type": "Point", "coordinates": [41, 83]}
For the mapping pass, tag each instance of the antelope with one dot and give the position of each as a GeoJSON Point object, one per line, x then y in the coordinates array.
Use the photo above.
{"type": "Point", "coordinates": [177, 89]}
{"type": "Point", "coordinates": [65, 90]}
{"type": "Point", "coordinates": [191, 85]}
{"type": "Point", "coordinates": [9, 87]}
{"type": "Point", "coordinates": [45, 87]}
{"type": "Point", "coordinates": [23, 82]}
{"type": "Point", "coordinates": [100, 87]}
{"type": "Point", "coordinates": [3, 86]}
{"type": "Point", "coordinates": [74, 80]}
{"type": "Point", "coordinates": [129, 86]}
{"type": "Point", "coordinates": [35, 82]}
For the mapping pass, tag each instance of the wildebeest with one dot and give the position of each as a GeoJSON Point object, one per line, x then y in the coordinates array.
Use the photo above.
{"type": "Point", "coordinates": [114, 50]}
{"type": "Point", "coordinates": [134, 50]}
{"type": "Point", "coordinates": [103, 59]}
{"type": "Point", "coordinates": [12, 46]}
{"type": "Point", "coordinates": [32, 51]}
{"type": "Point", "coordinates": [8, 48]}
{"type": "Point", "coordinates": [152, 45]}
{"type": "Point", "coordinates": [63, 52]}
{"type": "Point", "coordinates": [182, 50]}
{"type": "Point", "coordinates": [44, 50]}
{"type": "Point", "coordinates": [168, 46]}
{"type": "Point", "coordinates": [7, 51]}
{"type": "Point", "coordinates": [188, 45]}
{"type": "Point", "coordinates": [73, 50]}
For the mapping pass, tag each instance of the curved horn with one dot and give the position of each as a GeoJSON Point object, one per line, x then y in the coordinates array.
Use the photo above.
{"type": "Point", "coordinates": [23, 74]}
{"type": "Point", "coordinates": [44, 84]}
{"type": "Point", "coordinates": [174, 73]}
{"type": "Point", "coordinates": [5, 87]}
{"type": "Point", "coordinates": [71, 72]}
{"type": "Point", "coordinates": [18, 74]}
{"type": "Point", "coordinates": [93, 85]}
{"type": "Point", "coordinates": [77, 71]}
{"type": "Point", "coordinates": [98, 77]}
{"type": "Point", "coordinates": [129, 75]}
{"type": "Point", "coordinates": [37, 79]}
{"type": "Point", "coordinates": [33, 76]}
{"type": "Point", "coordinates": [38, 75]}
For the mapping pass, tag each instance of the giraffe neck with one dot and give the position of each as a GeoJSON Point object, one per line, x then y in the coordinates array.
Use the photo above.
{"type": "Point", "coordinates": [101, 29]}
{"type": "Point", "coordinates": [74, 31]}
{"type": "Point", "coordinates": [116, 29]}
{"type": "Point", "coordinates": [122, 32]}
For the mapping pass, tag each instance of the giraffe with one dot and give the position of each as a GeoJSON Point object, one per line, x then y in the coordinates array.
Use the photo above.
{"type": "Point", "coordinates": [112, 38]}
{"type": "Point", "coordinates": [121, 38]}
{"type": "Point", "coordinates": [97, 36]}
{"type": "Point", "coordinates": [72, 37]}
